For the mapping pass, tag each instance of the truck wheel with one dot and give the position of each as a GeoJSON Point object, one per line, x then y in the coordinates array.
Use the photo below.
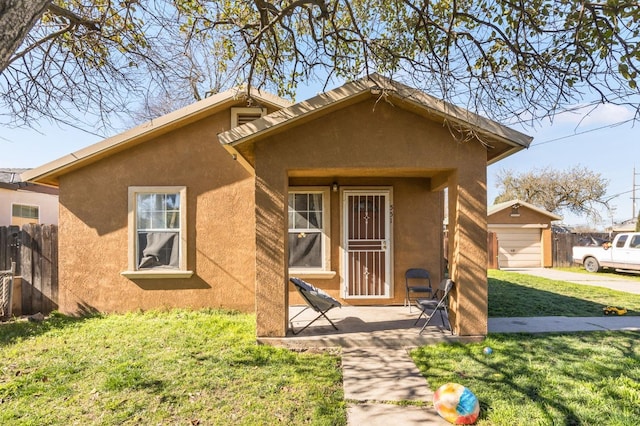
{"type": "Point", "coordinates": [591, 264]}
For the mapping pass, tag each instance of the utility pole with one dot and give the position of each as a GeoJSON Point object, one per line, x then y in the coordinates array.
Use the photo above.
{"type": "Point", "coordinates": [633, 196]}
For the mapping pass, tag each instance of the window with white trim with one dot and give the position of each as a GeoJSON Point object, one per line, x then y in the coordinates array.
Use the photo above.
{"type": "Point", "coordinates": [22, 214]}
{"type": "Point", "coordinates": [308, 229]}
{"type": "Point", "coordinates": [157, 231]}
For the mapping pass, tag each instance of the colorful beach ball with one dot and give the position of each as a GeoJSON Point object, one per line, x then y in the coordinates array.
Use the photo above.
{"type": "Point", "coordinates": [456, 404]}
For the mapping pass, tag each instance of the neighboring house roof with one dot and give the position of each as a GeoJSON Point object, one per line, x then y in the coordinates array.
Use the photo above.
{"type": "Point", "coordinates": [488, 131]}
{"type": "Point", "coordinates": [628, 225]}
{"type": "Point", "coordinates": [11, 175]}
{"type": "Point", "coordinates": [10, 178]}
{"type": "Point", "coordinates": [508, 204]}
{"type": "Point", "coordinates": [48, 174]}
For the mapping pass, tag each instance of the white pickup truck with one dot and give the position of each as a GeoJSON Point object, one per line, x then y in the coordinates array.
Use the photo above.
{"type": "Point", "coordinates": [623, 253]}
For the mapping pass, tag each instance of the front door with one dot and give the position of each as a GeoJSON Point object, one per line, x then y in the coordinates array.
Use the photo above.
{"type": "Point", "coordinates": [367, 243]}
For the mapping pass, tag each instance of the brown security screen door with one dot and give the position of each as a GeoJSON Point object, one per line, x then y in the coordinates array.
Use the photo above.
{"type": "Point", "coordinates": [367, 227]}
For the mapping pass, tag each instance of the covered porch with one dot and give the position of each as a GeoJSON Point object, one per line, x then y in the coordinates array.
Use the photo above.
{"type": "Point", "coordinates": [370, 146]}
{"type": "Point", "coordinates": [365, 326]}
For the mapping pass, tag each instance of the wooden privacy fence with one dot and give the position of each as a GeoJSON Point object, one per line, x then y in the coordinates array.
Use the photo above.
{"type": "Point", "coordinates": [564, 242]}
{"type": "Point", "coordinates": [34, 249]}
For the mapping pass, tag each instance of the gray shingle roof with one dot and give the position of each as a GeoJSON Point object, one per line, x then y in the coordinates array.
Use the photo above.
{"type": "Point", "coordinates": [11, 175]}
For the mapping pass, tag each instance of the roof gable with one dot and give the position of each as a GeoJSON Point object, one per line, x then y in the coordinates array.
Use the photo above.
{"type": "Point", "coordinates": [496, 208]}
{"type": "Point", "coordinates": [486, 130]}
{"type": "Point", "coordinates": [48, 174]}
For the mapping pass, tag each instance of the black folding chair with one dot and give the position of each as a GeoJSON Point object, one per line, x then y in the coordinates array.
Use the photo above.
{"type": "Point", "coordinates": [436, 305]}
{"type": "Point", "coordinates": [316, 299]}
{"type": "Point", "coordinates": [413, 276]}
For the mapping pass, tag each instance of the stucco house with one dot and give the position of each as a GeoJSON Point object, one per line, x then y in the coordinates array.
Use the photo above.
{"type": "Point", "coordinates": [217, 204]}
{"type": "Point", "coordinates": [523, 233]}
{"type": "Point", "coordinates": [26, 202]}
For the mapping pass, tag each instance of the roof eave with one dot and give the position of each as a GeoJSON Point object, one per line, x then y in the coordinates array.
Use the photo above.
{"type": "Point", "coordinates": [48, 173]}
{"type": "Point", "coordinates": [508, 153]}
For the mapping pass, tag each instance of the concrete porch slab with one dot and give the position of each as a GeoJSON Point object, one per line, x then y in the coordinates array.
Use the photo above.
{"type": "Point", "coordinates": [365, 326]}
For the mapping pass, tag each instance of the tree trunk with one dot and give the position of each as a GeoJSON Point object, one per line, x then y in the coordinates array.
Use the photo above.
{"type": "Point", "coordinates": [17, 17]}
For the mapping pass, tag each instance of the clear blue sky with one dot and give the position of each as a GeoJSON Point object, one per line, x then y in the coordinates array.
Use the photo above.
{"type": "Point", "coordinates": [593, 141]}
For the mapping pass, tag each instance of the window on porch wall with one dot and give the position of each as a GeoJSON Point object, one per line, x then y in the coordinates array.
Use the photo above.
{"type": "Point", "coordinates": [307, 230]}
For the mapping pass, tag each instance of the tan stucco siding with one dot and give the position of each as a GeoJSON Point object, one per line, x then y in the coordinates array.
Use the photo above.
{"type": "Point", "coordinates": [468, 249]}
{"type": "Point", "coordinates": [383, 143]}
{"type": "Point", "coordinates": [220, 229]}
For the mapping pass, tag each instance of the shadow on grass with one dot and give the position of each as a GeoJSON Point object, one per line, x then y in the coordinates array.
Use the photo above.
{"type": "Point", "coordinates": [510, 299]}
{"type": "Point", "coordinates": [16, 330]}
{"type": "Point", "coordinates": [518, 373]}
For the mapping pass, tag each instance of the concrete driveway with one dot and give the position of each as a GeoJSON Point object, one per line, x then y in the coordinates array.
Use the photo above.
{"type": "Point", "coordinates": [596, 279]}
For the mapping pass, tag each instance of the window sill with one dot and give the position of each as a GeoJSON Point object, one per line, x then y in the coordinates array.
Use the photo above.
{"type": "Point", "coordinates": [156, 274]}
{"type": "Point", "coordinates": [318, 275]}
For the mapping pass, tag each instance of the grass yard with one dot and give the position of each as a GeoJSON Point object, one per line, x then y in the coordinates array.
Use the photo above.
{"type": "Point", "coordinates": [204, 368]}
{"type": "Point", "coordinates": [572, 379]}
{"type": "Point", "coordinates": [176, 367]}
{"type": "Point", "coordinates": [545, 379]}
{"type": "Point", "coordinates": [519, 295]}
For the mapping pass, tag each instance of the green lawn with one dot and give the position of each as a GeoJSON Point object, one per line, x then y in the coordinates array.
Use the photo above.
{"type": "Point", "coordinates": [519, 295]}
{"type": "Point", "coordinates": [573, 379]}
{"type": "Point", "coordinates": [177, 367]}
{"type": "Point", "coordinates": [204, 367]}
{"type": "Point", "coordinates": [545, 379]}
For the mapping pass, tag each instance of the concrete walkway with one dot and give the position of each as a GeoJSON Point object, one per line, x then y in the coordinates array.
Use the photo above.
{"type": "Point", "coordinates": [562, 324]}
{"type": "Point", "coordinates": [596, 279]}
{"type": "Point", "coordinates": [376, 379]}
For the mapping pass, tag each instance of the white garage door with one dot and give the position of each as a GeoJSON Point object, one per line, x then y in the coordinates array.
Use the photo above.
{"type": "Point", "coordinates": [519, 248]}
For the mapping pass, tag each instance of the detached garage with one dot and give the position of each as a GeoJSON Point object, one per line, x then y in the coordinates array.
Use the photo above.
{"type": "Point", "coordinates": [520, 235]}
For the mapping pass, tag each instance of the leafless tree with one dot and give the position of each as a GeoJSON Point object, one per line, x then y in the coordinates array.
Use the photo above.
{"type": "Point", "coordinates": [504, 59]}
{"type": "Point", "coordinates": [578, 190]}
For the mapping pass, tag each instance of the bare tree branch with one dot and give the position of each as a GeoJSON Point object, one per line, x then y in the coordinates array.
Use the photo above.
{"type": "Point", "coordinates": [506, 59]}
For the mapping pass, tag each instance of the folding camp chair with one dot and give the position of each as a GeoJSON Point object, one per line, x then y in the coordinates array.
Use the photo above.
{"type": "Point", "coordinates": [317, 300]}
{"type": "Point", "coordinates": [436, 305]}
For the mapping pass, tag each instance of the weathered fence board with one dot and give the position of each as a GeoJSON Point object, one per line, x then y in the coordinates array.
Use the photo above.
{"type": "Point", "coordinates": [26, 271]}
{"type": "Point", "coordinates": [9, 247]}
{"type": "Point", "coordinates": [34, 248]}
